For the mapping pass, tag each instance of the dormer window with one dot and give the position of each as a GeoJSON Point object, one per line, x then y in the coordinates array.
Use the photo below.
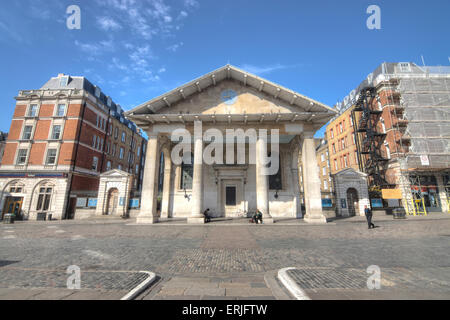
{"type": "Point", "coordinates": [63, 81]}
{"type": "Point", "coordinates": [405, 67]}
{"type": "Point", "coordinates": [97, 92]}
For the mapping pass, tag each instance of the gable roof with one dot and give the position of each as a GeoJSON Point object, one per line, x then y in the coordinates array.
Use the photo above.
{"type": "Point", "coordinates": [230, 72]}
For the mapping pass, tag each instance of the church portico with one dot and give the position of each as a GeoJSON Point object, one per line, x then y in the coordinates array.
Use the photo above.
{"type": "Point", "coordinates": [234, 157]}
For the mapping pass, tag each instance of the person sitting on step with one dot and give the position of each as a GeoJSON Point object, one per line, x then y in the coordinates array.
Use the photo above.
{"type": "Point", "coordinates": [207, 217]}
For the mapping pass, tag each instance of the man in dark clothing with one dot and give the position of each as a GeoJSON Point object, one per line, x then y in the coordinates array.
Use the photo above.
{"type": "Point", "coordinates": [368, 213]}
{"type": "Point", "coordinates": [257, 216]}
{"type": "Point", "coordinates": [207, 217]}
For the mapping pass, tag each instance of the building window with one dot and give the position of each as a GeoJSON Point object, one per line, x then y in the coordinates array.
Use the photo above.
{"type": "Point", "coordinates": [27, 130]}
{"type": "Point", "coordinates": [121, 153]}
{"type": "Point", "coordinates": [351, 121]}
{"type": "Point", "coordinates": [275, 180]}
{"type": "Point", "coordinates": [113, 152]}
{"type": "Point", "coordinates": [335, 164]}
{"type": "Point", "coordinates": [97, 92]}
{"type": "Point", "coordinates": [340, 127]}
{"type": "Point", "coordinates": [94, 163]}
{"type": "Point", "coordinates": [332, 134]}
{"type": "Point", "coordinates": [139, 151]}
{"type": "Point", "coordinates": [51, 157]}
{"type": "Point", "coordinates": [345, 161]}
{"type": "Point", "coordinates": [108, 166]}
{"type": "Point", "coordinates": [119, 167]}
{"type": "Point", "coordinates": [322, 157]}
{"type": "Point", "coordinates": [325, 185]}
{"type": "Point", "coordinates": [32, 111]}
{"type": "Point", "coordinates": [187, 171]}
{"type": "Point", "coordinates": [45, 195]}
{"type": "Point", "coordinates": [60, 110]}
{"type": "Point", "coordinates": [324, 171]}
{"type": "Point", "coordinates": [116, 133]}
{"type": "Point", "coordinates": [124, 136]}
{"type": "Point", "coordinates": [334, 148]}
{"type": "Point", "coordinates": [354, 138]}
{"type": "Point", "coordinates": [56, 132]}
{"type": "Point", "coordinates": [137, 169]}
{"type": "Point", "coordinates": [63, 81]}
{"type": "Point", "coordinates": [22, 156]}
{"type": "Point", "coordinates": [108, 147]}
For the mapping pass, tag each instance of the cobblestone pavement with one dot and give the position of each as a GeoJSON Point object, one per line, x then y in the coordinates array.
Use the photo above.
{"type": "Point", "coordinates": [227, 260]}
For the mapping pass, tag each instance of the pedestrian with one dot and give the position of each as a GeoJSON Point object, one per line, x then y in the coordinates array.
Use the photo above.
{"type": "Point", "coordinates": [368, 213]}
{"type": "Point", "coordinates": [258, 217]}
{"type": "Point", "coordinates": [207, 216]}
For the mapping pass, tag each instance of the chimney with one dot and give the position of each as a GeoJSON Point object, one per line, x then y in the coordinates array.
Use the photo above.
{"type": "Point", "coordinates": [60, 75]}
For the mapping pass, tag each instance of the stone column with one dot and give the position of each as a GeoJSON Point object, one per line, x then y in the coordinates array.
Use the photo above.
{"type": "Point", "coordinates": [197, 182]}
{"type": "Point", "coordinates": [149, 186]}
{"type": "Point", "coordinates": [311, 182]}
{"type": "Point", "coordinates": [166, 186]}
{"type": "Point", "coordinates": [295, 179]}
{"type": "Point", "coordinates": [262, 180]}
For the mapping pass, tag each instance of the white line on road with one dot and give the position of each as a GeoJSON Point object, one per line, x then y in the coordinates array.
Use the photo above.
{"type": "Point", "coordinates": [9, 237]}
{"type": "Point", "coordinates": [291, 285]}
{"type": "Point", "coordinates": [141, 287]}
{"type": "Point", "coordinates": [59, 231]}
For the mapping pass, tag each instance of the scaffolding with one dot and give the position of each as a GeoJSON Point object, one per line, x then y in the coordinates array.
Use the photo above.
{"type": "Point", "coordinates": [418, 99]}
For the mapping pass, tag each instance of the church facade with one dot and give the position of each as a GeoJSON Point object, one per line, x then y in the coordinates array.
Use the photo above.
{"type": "Point", "coordinates": [229, 142]}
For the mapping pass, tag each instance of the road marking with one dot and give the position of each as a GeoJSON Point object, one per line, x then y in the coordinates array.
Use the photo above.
{"type": "Point", "coordinates": [59, 231]}
{"type": "Point", "coordinates": [291, 285]}
{"type": "Point", "coordinates": [9, 231]}
{"type": "Point", "coordinates": [77, 237]}
{"type": "Point", "coordinates": [9, 237]}
{"type": "Point", "coordinates": [141, 287]}
{"type": "Point", "coordinates": [52, 227]}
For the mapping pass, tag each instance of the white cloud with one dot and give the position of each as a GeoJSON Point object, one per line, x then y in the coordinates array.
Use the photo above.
{"type": "Point", "coordinates": [95, 48]}
{"type": "Point", "coordinates": [258, 70]}
{"type": "Point", "coordinates": [107, 24]}
{"type": "Point", "coordinates": [175, 46]}
{"type": "Point", "coordinates": [191, 3]}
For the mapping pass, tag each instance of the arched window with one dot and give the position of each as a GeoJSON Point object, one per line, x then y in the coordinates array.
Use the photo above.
{"type": "Point", "coordinates": [44, 198]}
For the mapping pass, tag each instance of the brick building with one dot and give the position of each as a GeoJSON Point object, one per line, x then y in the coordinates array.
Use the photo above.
{"type": "Point", "coordinates": [341, 142]}
{"type": "Point", "coordinates": [3, 138]}
{"type": "Point", "coordinates": [402, 126]}
{"type": "Point", "coordinates": [62, 137]}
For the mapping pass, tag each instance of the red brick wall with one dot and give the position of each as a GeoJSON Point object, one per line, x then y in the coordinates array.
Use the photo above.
{"type": "Point", "coordinates": [20, 111]}
{"type": "Point", "coordinates": [81, 183]}
{"type": "Point", "coordinates": [14, 131]}
{"type": "Point", "coordinates": [42, 130]}
{"type": "Point", "coordinates": [84, 157]}
{"type": "Point", "coordinates": [46, 110]}
{"type": "Point", "coordinates": [37, 154]}
{"type": "Point", "coordinates": [74, 110]}
{"type": "Point", "coordinates": [10, 152]}
{"type": "Point", "coordinates": [66, 153]}
{"type": "Point", "coordinates": [71, 129]}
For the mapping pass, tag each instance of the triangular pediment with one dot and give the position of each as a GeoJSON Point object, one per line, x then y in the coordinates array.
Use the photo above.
{"type": "Point", "coordinates": [231, 91]}
{"type": "Point", "coordinates": [115, 173]}
{"type": "Point", "coordinates": [350, 173]}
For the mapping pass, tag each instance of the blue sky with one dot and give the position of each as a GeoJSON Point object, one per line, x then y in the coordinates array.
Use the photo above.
{"type": "Point", "coordinates": [138, 49]}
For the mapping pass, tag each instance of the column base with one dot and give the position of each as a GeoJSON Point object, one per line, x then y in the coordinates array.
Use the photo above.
{"type": "Point", "coordinates": [146, 220]}
{"type": "Point", "coordinates": [319, 219]}
{"type": "Point", "coordinates": [196, 220]}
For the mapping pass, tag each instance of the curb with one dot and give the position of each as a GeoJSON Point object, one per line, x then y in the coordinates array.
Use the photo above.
{"type": "Point", "coordinates": [291, 285]}
{"type": "Point", "coordinates": [141, 287]}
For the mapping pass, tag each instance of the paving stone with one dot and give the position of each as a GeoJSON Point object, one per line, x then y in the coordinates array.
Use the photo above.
{"type": "Point", "coordinates": [205, 291]}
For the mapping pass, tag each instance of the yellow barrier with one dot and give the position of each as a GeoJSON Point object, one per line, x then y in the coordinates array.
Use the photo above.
{"type": "Point", "coordinates": [419, 205]}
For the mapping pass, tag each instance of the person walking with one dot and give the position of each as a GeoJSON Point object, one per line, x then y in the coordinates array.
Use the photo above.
{"type": "Point", "coordinates": [368, 213]}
